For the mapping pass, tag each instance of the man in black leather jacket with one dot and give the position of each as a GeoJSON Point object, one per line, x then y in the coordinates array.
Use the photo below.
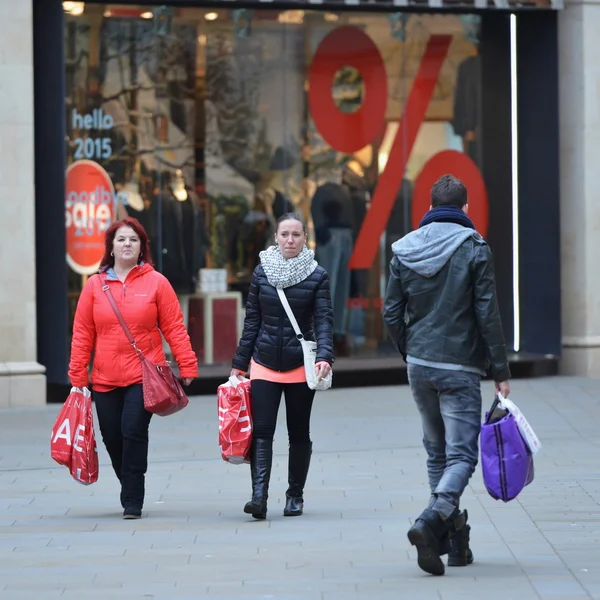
{"type": "Point", "coordinates": [441, 311]}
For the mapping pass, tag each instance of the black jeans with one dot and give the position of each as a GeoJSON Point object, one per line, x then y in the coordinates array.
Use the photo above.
{"type": "Point", "coordinates": [124, 423]}
{"type": "Point", "coordinates": [266, 397]}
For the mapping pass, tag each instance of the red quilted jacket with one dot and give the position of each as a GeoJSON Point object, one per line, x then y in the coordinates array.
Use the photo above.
{"type": "Point", "coordinates": [149, 305]}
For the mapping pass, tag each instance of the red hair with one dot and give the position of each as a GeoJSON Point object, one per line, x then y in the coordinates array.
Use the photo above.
{"type": "Point", "coordinates": [109, 237]}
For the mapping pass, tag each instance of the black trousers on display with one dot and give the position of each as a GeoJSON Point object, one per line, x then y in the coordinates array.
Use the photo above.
{"type": "Point", "coordinates": [124, 424]}
{"type": "Point", "coordinates": [266, 397]}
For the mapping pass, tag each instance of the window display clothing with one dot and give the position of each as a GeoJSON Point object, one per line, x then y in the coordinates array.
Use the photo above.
{"type": "Point", "coordinates": [332, 213]}
{"type": "Point", "coordinates": [184, 241]}
{"type": "Point", "coordinates": [281, 205]}
{"type": "Point", "coordinates": [467, 105]}
{"type": "Point", "coordinates": [145, 217]}
{"type": "Point", "coordinates": [334, 258]}
{"type": "Point", "coordinates": [324, 196]}
{"type": "Point", "coordinates": [399, 223]}
{"type": "Point", "coordinates": [359, 199]}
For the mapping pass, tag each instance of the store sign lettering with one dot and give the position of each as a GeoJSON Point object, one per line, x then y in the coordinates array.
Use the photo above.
{"type": "Point", "coordinates": [90, 209]}
{"type": "Point", "coordinates": [89, 148]}
{"type": "Point", "coordinates": [350, 46]}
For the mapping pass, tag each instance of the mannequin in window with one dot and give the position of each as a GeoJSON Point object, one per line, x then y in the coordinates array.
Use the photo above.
{"type": "Point", "coordinates": [466, 121]}
{"type": "Point", "coordinates": [399, 223]}
{"type": "Point", "coordinates": [331, 210]}
{"type": "Point", "coordinates": [281, 167]}
{"type": "Point", "coordinates": [184, 236]}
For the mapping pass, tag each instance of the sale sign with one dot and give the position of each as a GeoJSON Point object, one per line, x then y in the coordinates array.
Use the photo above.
{"type": "Point", "coordinates": [90, 209]}
{"type": "Point", "coordinates": [350, 46]}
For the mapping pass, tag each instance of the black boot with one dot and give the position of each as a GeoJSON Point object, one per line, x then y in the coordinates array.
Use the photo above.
{"type": "Point", "coordinates": [459, 554]}
{"type": "Point", "coordinates": [133, 490]}
{"type": "Point", "coordinates": [427, 535]}
{"type": "Point", "coordinates": [261, 459]}
{"type": "Point", "coordinates": [298, 464]}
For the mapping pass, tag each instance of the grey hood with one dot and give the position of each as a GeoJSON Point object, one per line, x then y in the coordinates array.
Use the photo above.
{"type": "Point", "coordinates": [427, 249]}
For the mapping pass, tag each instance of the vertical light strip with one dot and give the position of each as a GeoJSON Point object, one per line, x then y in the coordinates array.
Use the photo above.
{"type": "Point", "coordinates": [514, 134]}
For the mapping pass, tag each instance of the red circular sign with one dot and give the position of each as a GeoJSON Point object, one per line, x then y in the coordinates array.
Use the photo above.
{"type": "Point", "coordinates": [90, 209]}
{"type": "Point", "coordinates": [462, 166]}
{"type": "Point", "coordinates": [348, 46]}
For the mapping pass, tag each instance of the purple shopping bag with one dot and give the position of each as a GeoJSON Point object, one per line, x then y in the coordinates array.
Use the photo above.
{"type": "Point", "coordinates": [506, 460]}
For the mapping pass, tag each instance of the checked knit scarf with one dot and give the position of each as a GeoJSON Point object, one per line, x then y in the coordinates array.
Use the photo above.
{"type": "Point", "coordinates": [285, 272]}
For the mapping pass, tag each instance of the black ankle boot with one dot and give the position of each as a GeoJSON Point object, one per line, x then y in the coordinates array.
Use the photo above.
{"type": "Point", "coordinates": [459, 553]}
{"type": "Point", "coordinates": [427, 535]}
{"type": "Point", "coordinates": [261, 459]}
{"type": "Point", "coordinates": [298, 464]}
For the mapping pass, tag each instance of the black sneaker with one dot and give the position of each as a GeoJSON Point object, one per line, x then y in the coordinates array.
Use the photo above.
{"type": "Point", "coordinates": [130, 513]}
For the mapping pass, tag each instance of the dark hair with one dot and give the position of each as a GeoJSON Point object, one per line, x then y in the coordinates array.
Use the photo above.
{"type": "Point", "coordinates": [109, 237]}
{"type": "Point", "coordinates": [448, 191]}
{"type": "Point", "coordinates": [291, 216]}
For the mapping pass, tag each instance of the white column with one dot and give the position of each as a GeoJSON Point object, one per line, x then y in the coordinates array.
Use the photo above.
{"type": "Point", "coordinates": [579, 75]}
{"type": "Point", "coordinates": [22, 379]}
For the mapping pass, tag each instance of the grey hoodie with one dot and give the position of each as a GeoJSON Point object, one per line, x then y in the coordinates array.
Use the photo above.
{"type": "Point", "coordinates": [427, 249]}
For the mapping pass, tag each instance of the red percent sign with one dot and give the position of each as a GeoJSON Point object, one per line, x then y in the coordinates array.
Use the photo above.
{"type": "Point", "coordinates": [349, 46]}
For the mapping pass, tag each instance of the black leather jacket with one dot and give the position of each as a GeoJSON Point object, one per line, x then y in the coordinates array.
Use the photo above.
{"type": "Point", "coordinates": [452, 316]}
{"type": "Point", "coordinates": [268, 336]}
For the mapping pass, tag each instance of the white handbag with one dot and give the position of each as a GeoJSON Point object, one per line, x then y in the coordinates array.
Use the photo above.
{"type": "Point", "coordinates": [309, 349]}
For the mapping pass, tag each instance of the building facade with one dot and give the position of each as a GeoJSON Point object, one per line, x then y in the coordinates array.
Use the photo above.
{"type": "Point", "coordinates": [208, 123]}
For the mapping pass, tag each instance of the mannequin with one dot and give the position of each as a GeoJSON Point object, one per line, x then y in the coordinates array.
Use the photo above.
{"type": "Point", "coordinates": [281, 167]}
{"type": "Point", "coordinates": [280, 203]}
{"type": "Point", "coordinates": [332, 215]}
{"type": "Point", "coordinates": [399, 223]}
{"type": "Point", "coordinates": [184, 236]}
{"type": "Point", "coordinates": [467, 104]}
{"type": "Point", "coordinates": [353, 178]}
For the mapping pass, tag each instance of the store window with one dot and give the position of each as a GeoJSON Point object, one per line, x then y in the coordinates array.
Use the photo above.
{"type": "Point", "coordinates": [208, 124]}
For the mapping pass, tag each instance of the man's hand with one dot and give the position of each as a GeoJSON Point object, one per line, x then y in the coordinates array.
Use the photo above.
{"type": "Point", "coordinates": [187, 380]}
{"type": "Point", "coordinates": [504, 388]}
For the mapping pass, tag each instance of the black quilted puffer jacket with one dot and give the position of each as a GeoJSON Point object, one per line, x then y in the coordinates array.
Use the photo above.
{"type": "Point", "coordinates": [268, 335]}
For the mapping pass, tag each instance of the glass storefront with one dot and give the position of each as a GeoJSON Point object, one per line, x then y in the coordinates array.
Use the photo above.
{"type": "Point", "coordinates": [209, 124]}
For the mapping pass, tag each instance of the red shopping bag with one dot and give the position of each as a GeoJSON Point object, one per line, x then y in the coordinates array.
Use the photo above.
{"type": "Point", "coordinates": [235, 420]}
{"type": "Point", "coordinates": [73, 443]}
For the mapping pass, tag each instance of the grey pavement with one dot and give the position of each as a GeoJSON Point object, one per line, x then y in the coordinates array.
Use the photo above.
{"type": "Point", "coordinates": [60, 539]}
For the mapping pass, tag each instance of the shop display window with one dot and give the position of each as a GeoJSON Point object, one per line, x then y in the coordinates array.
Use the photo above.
{"type": "Point", "coordinates": [207, 124]}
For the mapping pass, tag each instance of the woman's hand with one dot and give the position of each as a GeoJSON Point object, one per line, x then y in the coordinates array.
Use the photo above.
{"type": "Point", "coordinates": [237, 373]}
{"type": "Point", "coordinates": [322, 369]}
{"type": "Point", "coordinates": [187, 380]}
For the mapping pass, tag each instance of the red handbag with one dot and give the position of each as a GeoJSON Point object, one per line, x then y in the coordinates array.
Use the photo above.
{"type": "Point", "coordinates": [163, 394]}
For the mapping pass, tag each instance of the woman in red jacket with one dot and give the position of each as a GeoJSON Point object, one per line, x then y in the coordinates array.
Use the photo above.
{"type": "Point", "coordinates": [149, 306]}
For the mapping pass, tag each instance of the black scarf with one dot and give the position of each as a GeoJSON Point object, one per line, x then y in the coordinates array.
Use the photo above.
{"type": "Point", "coordinates": [447, 214]}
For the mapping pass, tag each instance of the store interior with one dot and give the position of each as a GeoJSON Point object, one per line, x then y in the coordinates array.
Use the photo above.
{"type": "Point", "coordinates": [212, 138]}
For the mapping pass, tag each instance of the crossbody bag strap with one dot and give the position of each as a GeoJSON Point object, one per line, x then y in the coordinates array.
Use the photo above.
{"type": "Point", "coordinates": [290, 314]}
{"type": "Point", "coordinates": [113, 304]}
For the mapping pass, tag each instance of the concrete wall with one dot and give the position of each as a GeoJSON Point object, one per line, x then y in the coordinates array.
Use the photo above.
{"type": "Point", "coordinates": [22, 380]}
{"type": "Point", "coordinates": [579, 73]}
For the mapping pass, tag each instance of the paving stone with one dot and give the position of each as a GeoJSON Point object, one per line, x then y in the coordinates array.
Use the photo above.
{"type": "Point", "coordinates": [367, 483]}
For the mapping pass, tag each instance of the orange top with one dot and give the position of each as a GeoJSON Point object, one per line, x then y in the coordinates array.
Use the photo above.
{"type": "Point", "coordinates": [294, 376]}
{"type": "Point", "coordinates": [149, 306]}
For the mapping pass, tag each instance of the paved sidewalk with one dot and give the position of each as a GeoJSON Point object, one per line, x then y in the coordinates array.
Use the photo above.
{"type": "Point", "coordinates": [59, 539]}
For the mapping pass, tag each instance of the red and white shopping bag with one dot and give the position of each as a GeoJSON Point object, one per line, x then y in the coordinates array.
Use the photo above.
{"type": "Point", "coordinates": [73, 443]}
{"type": "Point", "coordinates": [235, 420]}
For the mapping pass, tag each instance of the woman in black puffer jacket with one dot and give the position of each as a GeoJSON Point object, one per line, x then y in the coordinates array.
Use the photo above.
{"type": "Point", "coordinates": [270, 349]}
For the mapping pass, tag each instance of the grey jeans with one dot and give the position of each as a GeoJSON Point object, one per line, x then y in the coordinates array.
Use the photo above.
{"type": "Point", "coordinates": [450, 407]}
